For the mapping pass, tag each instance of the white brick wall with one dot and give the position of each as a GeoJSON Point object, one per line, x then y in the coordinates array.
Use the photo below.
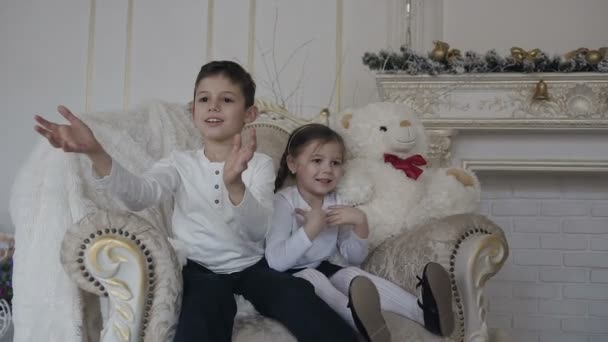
{"type": "Point", "coordinates": [599, 276]}
{"type": "Point", "coordinates": [554, 286]}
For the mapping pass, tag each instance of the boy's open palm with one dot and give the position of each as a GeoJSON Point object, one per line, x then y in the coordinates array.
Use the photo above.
{"type": "Point", "coordinates": [239, 157]}
{"type": "Point", "coordinates": [73, 137]}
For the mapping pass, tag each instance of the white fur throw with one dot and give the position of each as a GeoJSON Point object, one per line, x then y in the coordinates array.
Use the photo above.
{"type": "Point", "coordinates": [53, 191]}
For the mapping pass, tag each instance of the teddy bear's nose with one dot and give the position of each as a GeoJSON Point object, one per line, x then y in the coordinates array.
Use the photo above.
{"type": "Point", "coordinates": [405, 123]}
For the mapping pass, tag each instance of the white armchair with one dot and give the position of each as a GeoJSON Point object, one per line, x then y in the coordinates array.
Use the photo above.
{"type": "Point", "coordinates": [128, 259]}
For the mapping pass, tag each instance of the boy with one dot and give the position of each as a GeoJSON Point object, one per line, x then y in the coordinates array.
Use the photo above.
{"type": "Point", "coordinates": [222, 206]}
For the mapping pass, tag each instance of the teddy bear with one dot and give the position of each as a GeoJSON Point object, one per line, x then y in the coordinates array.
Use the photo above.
{"type": "Point", "coordinates": [388, 177]}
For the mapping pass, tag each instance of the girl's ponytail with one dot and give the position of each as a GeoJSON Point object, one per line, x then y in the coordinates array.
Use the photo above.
{"type": "Point", "coordinates": [282, 173]}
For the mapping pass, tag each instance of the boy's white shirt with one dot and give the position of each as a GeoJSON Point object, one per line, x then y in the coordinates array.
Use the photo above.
{"type": "Point", "coordinates": [207, 227]}
{"type": "Point", "coordinates": [288, 246]}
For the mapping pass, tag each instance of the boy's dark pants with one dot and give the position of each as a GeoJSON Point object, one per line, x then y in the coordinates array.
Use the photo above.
{"type": "Point", "coordinates": [208, 306]}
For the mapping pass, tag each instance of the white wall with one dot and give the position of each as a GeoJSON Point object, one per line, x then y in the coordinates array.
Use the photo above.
{"type": "Point", "coordinates": [111, 54]}
{"type": "Point", "coordinates": [42, 63]}
{"type": "Point", "coordinates": [554, 26]}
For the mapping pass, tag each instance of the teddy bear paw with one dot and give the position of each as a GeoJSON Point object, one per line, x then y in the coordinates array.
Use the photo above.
{"type": "Point", "coordinates": [461, 175]}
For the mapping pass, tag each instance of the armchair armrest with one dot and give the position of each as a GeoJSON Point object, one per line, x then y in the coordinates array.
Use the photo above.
{"type": "Point", "coordinates": [471, 247]}
{"type": "Point", "coordinates": [125, 258]}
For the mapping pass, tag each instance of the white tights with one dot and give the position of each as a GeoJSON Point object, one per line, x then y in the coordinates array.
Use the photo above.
{"type": "Point", "coordinates": [334, 291]}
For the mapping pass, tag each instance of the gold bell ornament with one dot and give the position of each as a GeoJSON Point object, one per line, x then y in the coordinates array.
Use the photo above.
{"type": "Point", "coordinates": [541, 93]}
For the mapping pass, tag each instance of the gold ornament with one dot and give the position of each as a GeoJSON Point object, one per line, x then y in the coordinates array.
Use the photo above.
{"type": "Point", "coordinates": [520, 54]}
{"type": "Point", "coordinates": [593, 57]}
{"type": "Point", "coordinates": [440, 52]}
{"type": "Point", "coordinates": [541, 92]}
{"type": "Point", "coordinates": [572, 54]}
{"type": "Point", "coordinates": [453, 53]}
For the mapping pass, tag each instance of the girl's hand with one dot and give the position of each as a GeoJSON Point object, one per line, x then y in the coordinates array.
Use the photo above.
{"type": "Point", "coordinates": [315, 220]}
{"type": "Point", "coordinates": [238, 158]}
{"type": "Point", "coordinates": [342, 214]}
{"type": "Point", "coordinates": [74, 137]}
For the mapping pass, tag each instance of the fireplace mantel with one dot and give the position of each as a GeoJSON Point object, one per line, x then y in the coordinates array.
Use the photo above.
{"type": "Point", "coordinates": [502, 101]}
{"type": "Point", "coordinates": [505, 103]}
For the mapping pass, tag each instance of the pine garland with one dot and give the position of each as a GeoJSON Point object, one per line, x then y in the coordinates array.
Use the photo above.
{"type": "Point", "coordinates": [413, 63]}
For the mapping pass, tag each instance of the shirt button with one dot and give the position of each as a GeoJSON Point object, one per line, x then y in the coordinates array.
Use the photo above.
{"type": "Point", "coordinates": [217, 201]}
{"type": "Point", "coordinates": [216, 186]}
{"type": "Point", "coordinates": [217, 172]}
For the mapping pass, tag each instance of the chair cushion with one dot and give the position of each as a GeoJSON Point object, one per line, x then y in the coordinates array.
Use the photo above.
{"type": "Point", "coordinates": [257, 328]}
{"type": "Point", "coordinates": [260, 329]}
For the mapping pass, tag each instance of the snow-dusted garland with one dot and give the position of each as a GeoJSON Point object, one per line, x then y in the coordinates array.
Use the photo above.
{"type": "Point", "coordinates": [444, 61]}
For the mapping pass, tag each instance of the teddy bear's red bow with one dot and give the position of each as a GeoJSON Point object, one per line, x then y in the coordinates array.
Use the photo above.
{"type": "Point", "coordinates": [408, 165]}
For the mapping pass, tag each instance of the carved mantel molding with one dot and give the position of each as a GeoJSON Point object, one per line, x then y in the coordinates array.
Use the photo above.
{"type": "Point", "coordinates": [448, 104]}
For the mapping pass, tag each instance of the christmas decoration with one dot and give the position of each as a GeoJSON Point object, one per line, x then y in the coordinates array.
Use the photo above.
{"type": "Point", "coordinates": [541, 93]}
{"type": "Point", "coordinates": [593, 57]}
{"type": "Point", "coordinates": [440, 52]}
{"type": "Point", "coordinates": [443, 60]}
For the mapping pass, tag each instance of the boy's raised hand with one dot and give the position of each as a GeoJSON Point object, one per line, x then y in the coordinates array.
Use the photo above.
{"type": "Point", "coordinates": [73, 137]}
{"type": "Point", "coordinates": [239, 157]}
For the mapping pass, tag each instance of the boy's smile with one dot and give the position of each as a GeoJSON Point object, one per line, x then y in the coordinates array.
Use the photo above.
{"type": "Point", "coordinates": [214, 121]}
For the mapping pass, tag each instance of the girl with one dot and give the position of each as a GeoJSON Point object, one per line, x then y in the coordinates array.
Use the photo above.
{"type": "Point", "coordinates": [310, 224]}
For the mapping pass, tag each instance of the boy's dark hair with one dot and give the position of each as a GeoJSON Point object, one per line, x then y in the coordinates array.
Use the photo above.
{"type": "Point", "coordinates": [234, 72]}
{"type": "Point", "coordinates": [298, 139]}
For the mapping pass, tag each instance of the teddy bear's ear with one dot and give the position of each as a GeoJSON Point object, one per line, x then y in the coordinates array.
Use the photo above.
{"type": "Point", "coordinates": [346, 120]}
